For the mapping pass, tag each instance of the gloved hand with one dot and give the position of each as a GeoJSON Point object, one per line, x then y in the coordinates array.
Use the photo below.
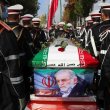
{"type": "Point", "coordinates": [22, 103]}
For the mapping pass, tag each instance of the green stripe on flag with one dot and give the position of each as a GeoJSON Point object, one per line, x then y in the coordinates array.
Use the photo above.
{"type": "Point", "coordinates": [40, 59]}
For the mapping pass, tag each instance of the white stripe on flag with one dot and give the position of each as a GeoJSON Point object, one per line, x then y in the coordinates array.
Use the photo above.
{"type": "Point", "coordinates": [50, 3]}
{"type": "Point", "coordinates": [51, 13]}
{"type": "Point", "coordinates": [69, 56]}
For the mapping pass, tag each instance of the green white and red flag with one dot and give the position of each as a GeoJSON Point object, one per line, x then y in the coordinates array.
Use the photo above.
{"type": "Point", "coordinates": [57, 57]}
{"type": "Point", "coordinates": [52, 9]}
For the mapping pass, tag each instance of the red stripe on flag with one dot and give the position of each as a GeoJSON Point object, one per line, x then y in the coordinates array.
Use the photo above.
{"type": "Point", "coordinates": [86, 59]}
{"type": "Point", "coordinates": [52, 10]}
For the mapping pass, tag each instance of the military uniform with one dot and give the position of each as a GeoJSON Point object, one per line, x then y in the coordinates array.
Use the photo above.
{"type": "Point", "coordinates": [84, 32]}
{"type": "Point", "coordinates": [25, 52]}
{"type": "Point", "coordinates": [60, 32]}
{"type": "Point", "coordinates": [70, 32]}
{"type": "Point", "coordinates": [39, 38]}
{"type": "Point", "coordinates": [93, 43]}
{"type": "Point", "coordinates": [26, 22]}
{"type": "Point", "coordinates": [52, 33]}
{"type": "Point", "coordinates": [11, 79]}
{"type": "Point", "coordinates": [104, 56]}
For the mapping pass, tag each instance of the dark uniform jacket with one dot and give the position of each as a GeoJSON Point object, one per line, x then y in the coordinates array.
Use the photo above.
{"type": "Point", "coordinates": [39, 38]}
{"type": "Point", "coordinates": [52, 33]}
{"type": "Point", "coordinates": [25, 52]}
{"type": "Point", "coordinates": [104, 38]}
{"type": "Point", "coordinates": [61, 33]}
{"type": "Point", "coordinates": [104, 87]}
{"type": "Point", "coordinates": [93, 40]}
{"type": "Point", "coordinates": [11, 80]}
{"type": "Point", "coordinates": [29, 38]}
{"type": "Point", "coordinates": [70, 34]}
{"type": "Point", "coordinates": [104, 56]}
{"type": "Point", "coordinates": [83, 36]}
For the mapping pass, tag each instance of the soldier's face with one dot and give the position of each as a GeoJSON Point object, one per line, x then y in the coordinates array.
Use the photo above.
{"type": "Point", "coordinates": [102, 16]}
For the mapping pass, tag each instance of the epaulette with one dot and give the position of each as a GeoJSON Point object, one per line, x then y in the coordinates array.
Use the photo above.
{"type": "Point", "coordinates": [4, 25]}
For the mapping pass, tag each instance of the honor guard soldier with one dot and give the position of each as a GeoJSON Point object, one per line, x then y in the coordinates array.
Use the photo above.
{"type": "Point", "coordinates": [25, 52]}
{"type": "Point", "coordinates": [52, 32]}
{"type": "Point", "coordinates": [39, 38]}
{"type": "Point", "coordinates": [70, 31]}
{"type": "Point", "coordinates": [84, 32]}
{"type": "Point", "coordinates": [93, 43]}
{"type": "Point", "coordinates": [12, 90]}
{"type": "Point", "coordinates": [70, 34]}
{"type": "Point", "coordinates": [60, 32]}
{"type": "Point", "coordinates": [104, 55]}
{"type": "Point", "coordinates": [26, 21]}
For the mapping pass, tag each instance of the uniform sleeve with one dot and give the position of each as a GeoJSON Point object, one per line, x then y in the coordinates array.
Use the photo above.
{"type": "Point", "coordinates": [26, 44]}
{"type": "Point", "coordinates": [106, 68]}
{"type": "Point", "coordinates": [10, 68]}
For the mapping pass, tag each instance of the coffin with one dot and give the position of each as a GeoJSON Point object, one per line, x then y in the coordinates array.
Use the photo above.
{"type": "Point", "coordinates": [63, 70]}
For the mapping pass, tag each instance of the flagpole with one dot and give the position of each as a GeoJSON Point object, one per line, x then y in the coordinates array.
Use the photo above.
{"type": "Point", "coordinates": [60, 10]}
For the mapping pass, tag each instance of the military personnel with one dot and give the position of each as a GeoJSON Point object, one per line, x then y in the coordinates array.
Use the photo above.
{"type": "Point", "coordinates": [26, 21]}
{"type": "Point", "coordinates": [104, 55]}
{"type": "Point", "coordinates": [11, 80]}
{"type": "Point", "coordinates": [60, 32]}
{"type": "Point", "coordinates": [96, 16]}
{"type": "Point", "coordinates": [52, 32]}
{"type": "Point", "coordinates": [70, 31]}
{"type": "Point", "coordinates": [25, 52]}
{"type": "Point", "coordinates": [39, 38]}
{"type": "Point", "coordinates": [78, 30]}
{"type": "Point", "coordinates": [93, 43]}
{"type": "Point", "coordinates": [84, 32]}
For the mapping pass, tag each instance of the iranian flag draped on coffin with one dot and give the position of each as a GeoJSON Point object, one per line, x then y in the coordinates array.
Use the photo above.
{"type": "Point", "coordinates": [62, 53]}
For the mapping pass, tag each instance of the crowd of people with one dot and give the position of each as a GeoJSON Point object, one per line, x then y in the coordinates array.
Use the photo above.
{"type": "Point", "coordinates": [21, 37]}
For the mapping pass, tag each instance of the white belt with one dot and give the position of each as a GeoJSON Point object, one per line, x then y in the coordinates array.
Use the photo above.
{"type": "Point", "coordinates": [103, 51]}
{"type": "Point", "coordinates": [12, 57]}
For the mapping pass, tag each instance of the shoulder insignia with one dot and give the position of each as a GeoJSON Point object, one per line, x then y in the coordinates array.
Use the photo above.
{"type": "Point", "coordinates": [5, 26]}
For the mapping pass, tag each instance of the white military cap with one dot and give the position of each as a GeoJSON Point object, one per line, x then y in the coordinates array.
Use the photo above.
{"type": "Point", "coordinates": [61, 23]}
{"type": "Point", "coordinates": [95, 13]}
{"type": "Point", "coordinates": [36, 20]}
{"type": "Point", "coordinates": [105, 6]}
{"type": "Point", "coordinates": [15, 9]}
{"type": "Point", "coordinates": [69, 24]}
{"type": "Point", "coordinates": [89, 19]}
{"type": "Point", "coordinates": [27, 17]}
